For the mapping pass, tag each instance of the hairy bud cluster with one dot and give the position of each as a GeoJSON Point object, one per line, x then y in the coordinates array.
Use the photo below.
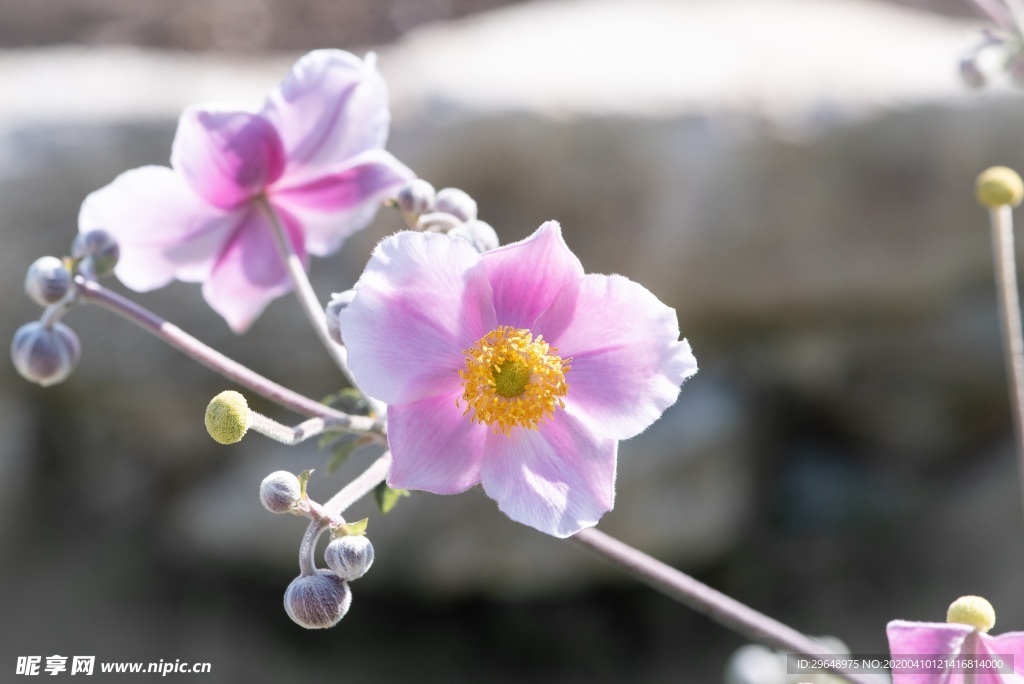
{"type": "Point", "coordinates": [450, 211]}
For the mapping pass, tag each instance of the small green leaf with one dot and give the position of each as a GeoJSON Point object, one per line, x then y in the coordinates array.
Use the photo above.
{"type": "Point", "coordinates": [356, 529]}
{"type": "Point", "coordinates": [343, 448]}
{"type": "Point", "coordinates": [303, 479]}
{"type": "Point", "coordinates": [386, 497]}
{"type": "Point", "coordinates": [350, 400]}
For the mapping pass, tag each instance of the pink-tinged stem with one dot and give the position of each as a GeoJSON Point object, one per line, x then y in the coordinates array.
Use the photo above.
{"type": "Point", "coordinates": [703, 599]}
{"type": "Point", "coordinates": [90, 291]}
{"type": "Point", "coordinates": [1001, 219]}
{"type": "Point", "coordinates": [311, 306]}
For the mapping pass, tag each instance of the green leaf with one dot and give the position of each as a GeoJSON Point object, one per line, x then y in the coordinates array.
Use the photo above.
{"type": "Point", "coordinates": [350, 400]}
{"type": "Point", "coordinates": [356, 529]}
{"type": "Point", "coordinates": [344, 448]}
{"type": "Point", "coordinates": [386, 497]}
{"type": "Point", "coordinates": [303, 479]}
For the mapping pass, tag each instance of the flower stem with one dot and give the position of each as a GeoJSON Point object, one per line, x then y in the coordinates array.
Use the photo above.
{"type": "Point", "coordinates": [311, 306]}
{"type": "Point", "coordinates": [361, 486]}
{"type": "Point", "coordinates": [291, 436]}
{"type": "Point", "coordinates": [702, 598]}
{"type": "Point", "coordinates": [1001, 219]}
{"type": "Point", "coordinates": [95, 293]}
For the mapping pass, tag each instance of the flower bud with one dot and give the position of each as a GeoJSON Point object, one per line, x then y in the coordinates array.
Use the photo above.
{"type": "Point", "coordinates": [317, 601]}
{"type": "Point", "coordinates": [477, 233]}
{"type": "Point", "coordinates": [280, 491]}
{"type": "Point", "coordinates": [339, 302]}
{"type": "Point", "coordinates": [755, 664]}
{"type": "Point", "coordinates": [971, 74]}
{"type": "Point", "coordinates": [999, 186]}
{"type": "Point", "coordinates": [227, 417]}
{"type": "Point", "coordinates": [457, 203]}
{"type": "Point", "coordinates": [100, 248]}
{"type": "Point", "coordinates": [349, 556]}
{"type": "Point", "coordinates": [47, 280]}
{"type": "Point", "coordinates": [416, 198]}
{"type": "Point", "coordinates": [974, 611]}
{"type": "Point", "coordinates": [44, 355]}
{"type": "Point", "coordinates": [437, 222]}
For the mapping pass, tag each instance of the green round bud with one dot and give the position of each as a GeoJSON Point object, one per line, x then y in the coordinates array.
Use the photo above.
{"type": "Point", "coordinates": [44, 354]}
{"type": "Point", "coordinates": [100, 248]}
{"type": "Point", "coordinates": [999, 186]}
{"type": "Point", "coordinates": [280, 491]}
{"type": "Point", "coordinates": [227, 417]}
{"type": "Point", "coordinates": [317, 601]}
{"type": "Point", "coordinates": [456, 202]}
{"type": "Point", "coordinates": [972, 610]}
{"type": "Point", "coordinates": [47, 281]}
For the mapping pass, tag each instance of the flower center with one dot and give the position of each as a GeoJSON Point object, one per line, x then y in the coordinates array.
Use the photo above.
{"type": "Point", "coordinates": [512, 380]}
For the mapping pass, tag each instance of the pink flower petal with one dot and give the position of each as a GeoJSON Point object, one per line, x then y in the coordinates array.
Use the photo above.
{"type": "Point", "coordinates": [421, 301]}
{"type": "Point", "coordinates": [331, 106]}
{"type": "Point", "coordinates": [1010, 643]}
{"type": "Point", "coordinates": [164, 230]}
{"type": "Point", "coordinates": [435, 448]}
{"type": "Point", "coordinates": [333, 206]}
{"type": "Point", "coordinates": [249, 272]}
{"type": "Point", "coordinates": [935, 639]}
{"type": "Point", "coordinates": [526, 276]}
{"type": "Point", "coordinates": [558, 479]}
{"type": "Point", "coordinates": [627, 360]}
{"type": "Point", "coordinates": [226, 157]}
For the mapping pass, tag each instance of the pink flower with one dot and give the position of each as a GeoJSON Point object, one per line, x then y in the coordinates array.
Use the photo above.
{"type": "Point", "coordinates": [511, 369]}
{"type": "Point", "coordinates": [942, 641]}
{"type": "Point", "coordinates": [313, 155]}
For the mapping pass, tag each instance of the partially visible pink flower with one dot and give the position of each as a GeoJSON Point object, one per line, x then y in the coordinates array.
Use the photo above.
{"type": "Point", "coordinates": [963, 637]}
{"type": "Point", "coordinates": [511, 369]}
{"type": "Point", "coordinates": [314, 153]}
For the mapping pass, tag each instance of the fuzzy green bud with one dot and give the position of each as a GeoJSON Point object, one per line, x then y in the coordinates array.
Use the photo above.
{"type": "Point", "coordinates": [999, 186]}
{"type": "Point", "coordinates": [280, 491]}
{"type": "Point", "coordinates": [227, 417]}
{"type": "Point", "coordinates": [349, 556]}
{"type": "Point", "coordinates": [44, 354]}
{"type": "Point", "coordinates": [100, 248]}
{"type": "Point", "coordinates": [47, 281]}
{"type": "Point", "coordinates": [974, 611]}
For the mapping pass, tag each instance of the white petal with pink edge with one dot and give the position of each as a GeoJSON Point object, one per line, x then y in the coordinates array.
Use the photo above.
{"type": "Point", "coordinates": [421, 301]}
{"type": "Point", "coordinates": [627, 360]}
{"type": "Point", "coordinates": [434, 447]}
{"type": "Point", "coordinates": [559, 479]}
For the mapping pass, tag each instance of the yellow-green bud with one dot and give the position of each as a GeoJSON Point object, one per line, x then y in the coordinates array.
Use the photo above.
{"type": "Point", "coordinates": [999, 186]}
{"type": "Point", "coordinates": [227, 417]}
{"type": "Point", "coordinates": [972, 610]}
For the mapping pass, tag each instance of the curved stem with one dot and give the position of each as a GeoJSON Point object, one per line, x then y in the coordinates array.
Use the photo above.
{"type": "Point", "coordinates": [291, 436]}
{"type": "Point", "coordinates": [1001, 219]}
{"type": "Point", "coordinates": [173, 335]}
{"type": "Point", "coordinates": [702, 598]}
{"type": "Point", "coordinates": [307, 549]}
{"type": "Point", "coordinates": [361, 486]}
{"type": "Point", "coordinates": [311, 306]}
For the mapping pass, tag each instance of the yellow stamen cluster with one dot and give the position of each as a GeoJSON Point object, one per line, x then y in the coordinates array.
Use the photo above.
{"type": "Point", "coordinates": [512, 380]}
{"type": "Point", "coordinates": [974, 611]}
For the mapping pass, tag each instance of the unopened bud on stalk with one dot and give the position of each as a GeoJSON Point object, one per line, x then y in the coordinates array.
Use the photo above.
{"type": "Point", "coordinates": [100, 248]}
{"type": "Point", "coordinates": [317, 601]}
{"type": "Point", "coordinates": [339, 302]}
{"type": "Point", "coordinates": [999, 186]}
{"type": "Point", "coordinates": [47, 281]}
{"type": "Point", "coordinates": [971, 74]}
{"type": "Point", "coordinates": [477, 233]}
{"type": "Point", "coordinates": [227, 417]}
{"type": "Point", "coordinates": [45, 355]}
{"type": "Point", "coordinates": [457, 203]}
{"type": "Point", "coordinates": [349, 556]}
{"type": "Point", "coordinates": [974, 611]}
{"type": "Point", "coordinates": [416, 198]}
{"type": "Point", "coordinates": [280, 491]}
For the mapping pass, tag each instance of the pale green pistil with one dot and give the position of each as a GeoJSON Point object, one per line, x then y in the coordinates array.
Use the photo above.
{"type": "Point", "coordinates": [511, 378]}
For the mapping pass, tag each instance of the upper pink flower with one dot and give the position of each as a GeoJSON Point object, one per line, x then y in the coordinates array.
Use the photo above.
{"type": "Point", "coordinates": [313, 154]}
{"type": "Point", "coordinates": [936, 641]}
{"type": "Point", "coordinates": [512, 369]}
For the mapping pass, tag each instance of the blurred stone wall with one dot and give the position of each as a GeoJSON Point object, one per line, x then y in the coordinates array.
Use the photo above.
{"type": "Point", "coordinates": [800, 193]}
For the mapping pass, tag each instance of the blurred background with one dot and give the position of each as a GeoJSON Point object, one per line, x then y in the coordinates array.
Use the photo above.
{"type": "Point", "coordinates": [794, 176]}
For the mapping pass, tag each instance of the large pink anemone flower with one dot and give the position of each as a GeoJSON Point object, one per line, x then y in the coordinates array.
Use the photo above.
{"type": "Point", "coordinates": [313, 155]}
{"type": "Point", "coordinates": [512, 369]}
